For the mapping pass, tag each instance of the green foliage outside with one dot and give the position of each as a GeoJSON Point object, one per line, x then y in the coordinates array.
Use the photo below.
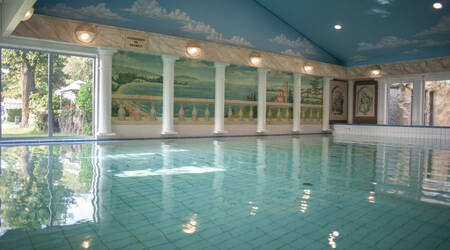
{"type": "Point", "coordinates": [27, 79]}
{"type": "Point", "coordinates": [84, 102]}
{"type": "Point", "coordinates": [12, 113]}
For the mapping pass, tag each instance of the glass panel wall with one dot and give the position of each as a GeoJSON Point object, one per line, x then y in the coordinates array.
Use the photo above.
{"type": "Point", "coordinates": [400, 103]}
{"type": "Point", "coordinates": [72, 95]}
{"type": "Point", "coordinates": [24, 106]}
{"type": "Point", "coordinates": [437, 103]}
{"type": "Point", "coordinates": [25, 93]}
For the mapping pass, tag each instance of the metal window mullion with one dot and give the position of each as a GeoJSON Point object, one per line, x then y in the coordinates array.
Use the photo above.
{"type": "Point", "coordinates": [50, 95]}
{"type": "Point", "coordinates": [1, 90]}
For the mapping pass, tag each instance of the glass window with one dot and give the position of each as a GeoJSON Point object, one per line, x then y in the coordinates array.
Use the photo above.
{"type": "Point", "coordinates": [72, 95]}
{"type": "Point", "coordinates": [25, 94]}
{"type": "Point", "coordinates": [437, 103]}
{"type": "Point", "coordinates": [400, 103]}
{"type": "Point", "coordinates": [24, 106]}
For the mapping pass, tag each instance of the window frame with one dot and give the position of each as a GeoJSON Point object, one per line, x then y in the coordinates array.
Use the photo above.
{"type": "Point", "coordinates": [50, 54]}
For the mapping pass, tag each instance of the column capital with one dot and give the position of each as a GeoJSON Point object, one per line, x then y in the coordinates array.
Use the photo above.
{"type": "Point", "coordinates": [299, 74]}
{"type": "Point", "coordinates": [169, 58]}
{"type": "Point", "coordinates": [327, 79]}
{"type": "Point", "coordinates": [106, 51]}
{"type": "Point", "coordinates": [263, 70]}
{"type": "Point", "coordinates": [220, 64]}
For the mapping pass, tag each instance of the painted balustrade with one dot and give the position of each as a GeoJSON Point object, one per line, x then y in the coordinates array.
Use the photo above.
{"type": "Point", "coordinates": [240, 111]}
{"type": "Point", "coordinates": [142, 109]}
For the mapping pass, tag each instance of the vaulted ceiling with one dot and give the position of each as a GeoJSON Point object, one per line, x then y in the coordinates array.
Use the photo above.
{"type": "Point", "coordinates": [374, 31]}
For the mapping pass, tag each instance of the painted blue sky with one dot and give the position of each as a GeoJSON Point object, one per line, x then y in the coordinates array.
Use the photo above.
{"type": "Point", "coordinates": [375, 31]}
{"type": "Point", "coordinates": [242, 23]}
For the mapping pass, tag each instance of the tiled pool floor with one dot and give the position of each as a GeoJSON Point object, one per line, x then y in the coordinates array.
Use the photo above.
{"type": "Point", "coordinates": [304, 192]}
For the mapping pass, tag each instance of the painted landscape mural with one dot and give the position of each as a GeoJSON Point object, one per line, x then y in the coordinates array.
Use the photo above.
{"type": "Point", "coordinates": [279, 90]}
{"type": "Point", "coordinates": [312, 99]}
{"type": "Point", "coordinates": [241, 83]}
{"type": "Point", "coordinates": [136, 74]}
{"type": "Point", "coordinates": [194, 79]}
{"type": "Point", "coordinates": [137, 86]}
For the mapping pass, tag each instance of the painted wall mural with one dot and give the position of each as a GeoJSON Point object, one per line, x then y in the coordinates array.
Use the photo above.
{"type": "Point", "coordinates": [194, 79]}
{"type": "Point", "coordinates": [137, 86]}
{"type": "Point", "coordinates": [136, 74]}
{"type": "Point", "coordinates": [241, 84]}
{"type": "Point", "coordinates": [312, 99]}
{"type": "Point", "coordinates": [279, 90]}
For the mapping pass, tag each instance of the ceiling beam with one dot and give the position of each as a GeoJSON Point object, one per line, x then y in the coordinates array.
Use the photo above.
{"type": "Point", "coordinates": [12, 13]}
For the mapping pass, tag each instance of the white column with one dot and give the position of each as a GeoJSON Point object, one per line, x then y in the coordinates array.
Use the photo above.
{"type": "Point", "coordinates": [351, 85]}
{"type": "Point", "coordinates": [418, 101]}
{"type": "Point", "coordinates": [168, 78]}
{"type": "Point", "coordinates": [296, 126]}
{"type": "Point", "coordinates": [104, 92]}
{"type": "Point", "coordinates": [326, 104]}
{"type": "Point", "coordinates": [262, 85]}
{"type": "Point", "coordinates": [219, 106]}
{"type": "Point", "coordinates": [382, 102]}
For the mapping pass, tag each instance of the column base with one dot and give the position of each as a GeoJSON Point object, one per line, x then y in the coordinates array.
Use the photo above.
{"type": "Point", "coordinates": [221, 132]}
{"type": "Point", "coordinates": [326, 130]}
{"type": "Point", "coordinates": [296, 132]}
{"type": "Point", "coordinates": [169, 133]}
{"type": "Point", "coordinates": [262, 131]}
{"type": "Point", "coordinates": [105, 135]}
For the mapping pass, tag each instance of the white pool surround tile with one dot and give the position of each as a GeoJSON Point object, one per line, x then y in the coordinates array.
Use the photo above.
{"type": "Point", "coordinates": [438, 134]}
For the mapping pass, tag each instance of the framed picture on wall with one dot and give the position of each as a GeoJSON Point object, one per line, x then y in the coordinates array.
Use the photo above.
{"type": "Point", "coordinates": [365, 102]}
{"type": "Point", "coordinates": [338, 101]}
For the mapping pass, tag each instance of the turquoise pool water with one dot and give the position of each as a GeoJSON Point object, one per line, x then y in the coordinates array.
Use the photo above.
{"type": "Point", "coordinates": [279, 192]}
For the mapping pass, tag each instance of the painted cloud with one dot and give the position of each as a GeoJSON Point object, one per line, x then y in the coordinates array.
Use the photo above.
{"type": "Point", "coordinates": [290, 52]}
{"type": "Point", "coordinates": [99, 11]}
{"type": "Point", "coordinates": [358, 58]}
{"type": "Point", "coordinates": [385, 2]}
{"type": "Point", "coordinates": [152, 9]}
{"type": "Point", "coordinates": [379, 12]}
{"type": "Point", "coordinates": [442, 27]}
{"type": "Point", "coordinates": [386, 42]}
{"type": "Point", "coordinates": [306, 46]}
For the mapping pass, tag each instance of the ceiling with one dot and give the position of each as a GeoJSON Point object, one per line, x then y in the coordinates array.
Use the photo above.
{"type": "Point", "coordinates": [374, 31]}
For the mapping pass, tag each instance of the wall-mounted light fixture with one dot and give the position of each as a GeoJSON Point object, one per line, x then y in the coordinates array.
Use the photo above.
{"type": "Point", "coordinates": [376, 72]}
{"type": "Point", "coordinates": [308, 68]}
{"type": "Point", "coordinates": [193, 49]}
{"type": "Point", "coordinates": [28, 14]}
{"type": "Point", "coordinates": [85, 33]}
{"type": "Point", "coordinates": [255, 58]}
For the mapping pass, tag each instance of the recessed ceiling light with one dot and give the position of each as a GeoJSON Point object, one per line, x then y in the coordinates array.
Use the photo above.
{"type": "Point", "coordinates": [28, 14]}
{"type": "Point", "coordinates": [437, 5]}
{"type": "Point", "coordinates": [337, 27]}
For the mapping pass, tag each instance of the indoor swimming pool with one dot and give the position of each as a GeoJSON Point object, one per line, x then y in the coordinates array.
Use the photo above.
{"type": "Point", "coordinates": [271, 192]}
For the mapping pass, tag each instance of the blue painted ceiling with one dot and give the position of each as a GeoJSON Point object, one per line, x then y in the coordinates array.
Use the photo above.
{"type": "Point", "coordinates": [375, 31]}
